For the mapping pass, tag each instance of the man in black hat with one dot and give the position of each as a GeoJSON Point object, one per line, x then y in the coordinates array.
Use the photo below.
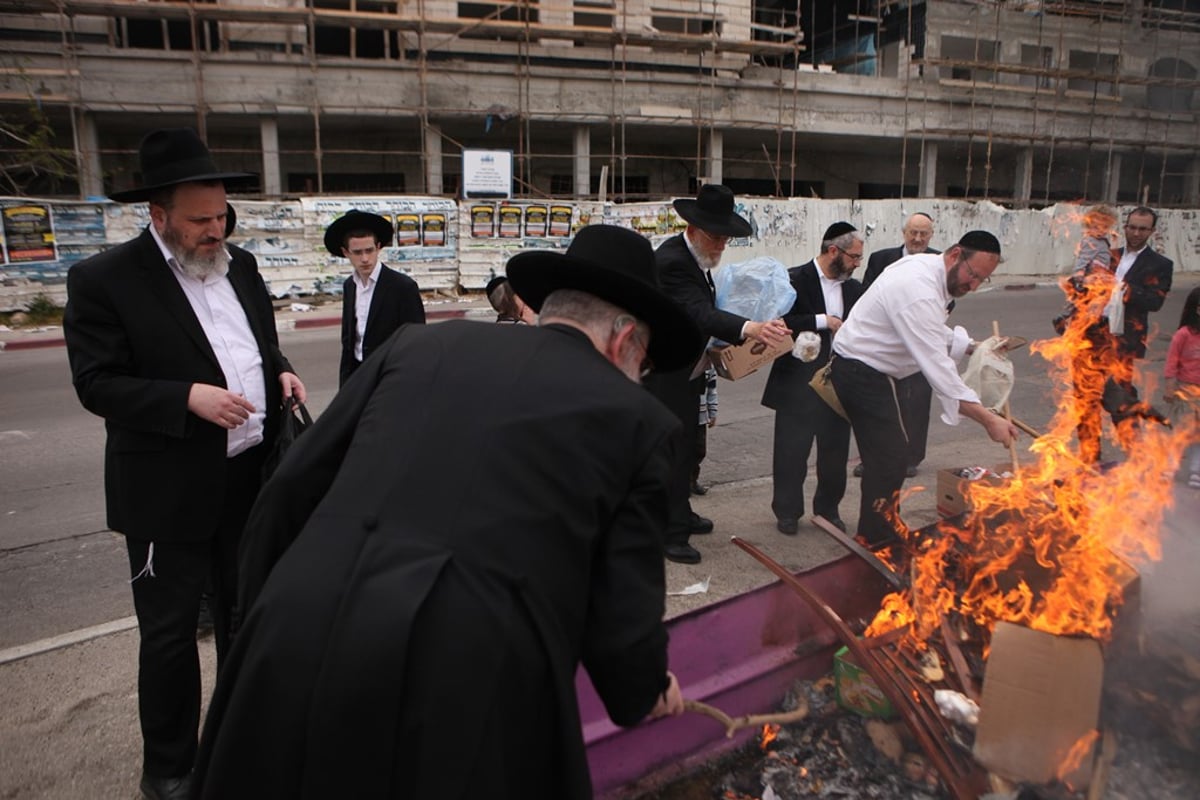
{"type": "Point", "coordinates": [916, 395]}
{"type": "Point", "coordinates": [685, 264]}
{"type": "Point", "coordinates": [376, 300]}
{"type": "Point", "coordinates": [171, 338]}
{"type": "Point", "coordinates": [418, 625]}
{"type": "Point", "coordinates": [825, 293]}
{"type": "Point", "coordinates": [898, 328]}
{"type": "Point", "coordinates": [510, 309]}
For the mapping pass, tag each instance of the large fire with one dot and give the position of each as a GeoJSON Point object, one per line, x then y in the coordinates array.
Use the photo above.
{"type": "Point", "coordinates": [1052, 548]}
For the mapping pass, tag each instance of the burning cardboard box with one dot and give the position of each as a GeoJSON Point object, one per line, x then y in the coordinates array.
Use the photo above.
{"type": "Point", "coordinates": [952, 486]}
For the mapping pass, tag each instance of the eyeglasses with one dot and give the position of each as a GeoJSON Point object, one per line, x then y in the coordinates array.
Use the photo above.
{"type": "Point", "coordinates": [714, 237]}
{"type": "Point", "coordinates": [647, 365]}
{"type": "Point", "coordinates": [851, 256]}
{"type": "Point", "coordinates": [975, 276]}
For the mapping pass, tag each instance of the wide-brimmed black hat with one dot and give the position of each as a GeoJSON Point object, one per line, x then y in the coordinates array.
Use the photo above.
{"type": "Point", "coordinates": [712, 212]}
{"type": "Point", "coordinates": [616, 265]}
{"type": "Point", "coordinates": [355, 220]}
{"type": "Point", "coordinates": [171, 156]}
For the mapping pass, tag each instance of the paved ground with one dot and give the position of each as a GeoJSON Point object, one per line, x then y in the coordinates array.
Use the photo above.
{"type": "Point", "coordinates": [68, 724]}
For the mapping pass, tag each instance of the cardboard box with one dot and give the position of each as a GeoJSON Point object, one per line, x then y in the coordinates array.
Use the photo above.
{"type": "Point", "coordinates": [733, 361]}
{"type": "Point", "coordinates": [857, 691]}
{"type": "Point", "coordinates": [1041, 695]}
{"type": "Point", "coordinates": [951, 491]}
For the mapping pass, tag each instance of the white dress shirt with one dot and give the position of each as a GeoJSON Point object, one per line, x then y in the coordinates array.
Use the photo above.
{"type": "Point", "coordinates": [831, 288]}
{"type": "Point", "coordinates": [362, 306]}
{"type": "Point", "coordinates": [899, 328]}
{"type": "Point", "coordinates": [1127, 259]}
{"type": "Point", "coordinates": [228, 332]}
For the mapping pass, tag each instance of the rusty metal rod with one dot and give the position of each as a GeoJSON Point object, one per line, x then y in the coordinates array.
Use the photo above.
{"type": "Point", "coordinates": [954, 782]}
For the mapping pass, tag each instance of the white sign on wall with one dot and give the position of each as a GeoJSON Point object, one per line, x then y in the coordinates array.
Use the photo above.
{"type": "Point", "coordinates": [487, 173]}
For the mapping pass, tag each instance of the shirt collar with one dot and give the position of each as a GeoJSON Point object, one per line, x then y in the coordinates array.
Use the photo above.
{"type": "Point", "coordinates": [373, 277]}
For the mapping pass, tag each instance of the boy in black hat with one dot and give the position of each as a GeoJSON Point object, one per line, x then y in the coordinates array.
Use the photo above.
{"type": "Point", "coordinates": [898, 329]}
{"type": "Point", "coordinates": [510, 309]}
{"type": "Point", "coordinates": [685, 263]}
{"type": "Point", "coordinates": [376, 300]}
{"type": "Point", "coordinates": [171, 338]}
{"type": "Point", "coordinates": [419, 640]}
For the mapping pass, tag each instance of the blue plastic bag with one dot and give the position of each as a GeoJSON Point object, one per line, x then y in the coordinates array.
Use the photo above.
{"type": "Point", "coordinates": [758, 289]}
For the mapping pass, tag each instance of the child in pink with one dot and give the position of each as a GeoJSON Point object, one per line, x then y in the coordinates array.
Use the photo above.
{"type": "Point", "coordinates": [1182, 380]}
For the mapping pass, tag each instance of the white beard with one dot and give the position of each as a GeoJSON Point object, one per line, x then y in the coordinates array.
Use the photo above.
{"type": "Point", "coordinates": [201, 267]}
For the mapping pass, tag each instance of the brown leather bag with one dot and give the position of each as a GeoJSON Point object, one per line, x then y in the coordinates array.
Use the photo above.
{"type": "Point", "coordinates": [822, 384]}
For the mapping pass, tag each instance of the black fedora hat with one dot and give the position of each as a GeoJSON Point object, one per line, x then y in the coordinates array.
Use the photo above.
{"type": "Point", "coordinates": [712, 211]}
{"type": "Point", "coordinates": [616, 265]}
{"type": "Point", "coordinates": [171, 156]}
{"type": "Point", "coordinates": [355, 220]}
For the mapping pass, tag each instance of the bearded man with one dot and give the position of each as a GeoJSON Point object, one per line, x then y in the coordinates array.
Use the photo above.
{"type": "Point", "coordinates": [171, 339]}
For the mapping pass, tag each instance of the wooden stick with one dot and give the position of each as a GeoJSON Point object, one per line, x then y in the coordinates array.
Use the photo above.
{"type": "Point", "coordinates": [1026, 427]}
{"type": "Point", "coordinates": [1012, 446]}
{"type": "Point", "coordinates": [732, 724]}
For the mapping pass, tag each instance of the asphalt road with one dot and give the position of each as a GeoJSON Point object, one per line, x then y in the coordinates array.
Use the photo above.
{"type": "Point", "coordinates": [62, 570]}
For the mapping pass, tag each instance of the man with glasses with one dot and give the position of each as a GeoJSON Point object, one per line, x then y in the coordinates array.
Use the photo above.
{"type": "Point", "coordinates": [825, 293]}
{"type": "Point", "coordinates": [898, 329]}
{"type": "Point", "coordinates": [685, 263]}
{"type": "Point", "coordinates": [917, 395]}
{"type": "Point", "coordinates": [1144, 278]}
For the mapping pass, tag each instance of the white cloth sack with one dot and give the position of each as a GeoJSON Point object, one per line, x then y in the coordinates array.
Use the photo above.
{"type": "Point", "coordinates": [1115, 310]}
{"type": "Point", "coordinates": [989, 373]}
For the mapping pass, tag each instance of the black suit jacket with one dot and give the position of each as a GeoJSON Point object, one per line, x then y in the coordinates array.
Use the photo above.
{"type": "Point", "coordinates": [881, 260]}
{"type": "Point", "coordinates": [135, 348]}
{"type": "Point", "coordinates": [787, 386]}
{"type": "Point", "coordinates": [1148, 281]}
{"type": "Point", "coordinates": [404, 529]}
{"type": "Point", "coordinates": [396, 300]}
{"type": "Point", "coordinates": [684, 282]}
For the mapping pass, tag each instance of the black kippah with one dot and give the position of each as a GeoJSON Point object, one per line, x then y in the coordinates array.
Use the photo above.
{"type": "Point", "coordinates": [837, 229]}
{"type": "Point", "coordinates": [980, 241]}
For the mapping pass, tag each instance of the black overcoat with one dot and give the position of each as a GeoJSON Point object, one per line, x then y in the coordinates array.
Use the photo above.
{"type": "Point", "coordinates": [396, 301]}
{"type": "Point", "coordinates": [135, 348]}
{"type": "Point", "coordinates": [478, 511]}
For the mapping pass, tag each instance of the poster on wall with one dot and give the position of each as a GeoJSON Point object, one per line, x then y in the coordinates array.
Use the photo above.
{"type": "Point", "coordinates": [560, 220]}
{"type": "Point", "coordinates": [483, 222]}
{"type": "Point", "coordinates": [510, 222]}
{"type": "Point", "coordinates": [433, 230]}
{"type": "Point", "coordinates": [535, 220]}
{"type": "Point", "coordinates": [408, 230]}
{"type": "Point", "coordinates": [29, 234]}
{"type": "Point", "coordinates": [487, 173]}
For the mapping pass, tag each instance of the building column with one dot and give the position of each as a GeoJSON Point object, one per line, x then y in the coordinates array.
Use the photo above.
{"type": "Point", "coordinates": [928, 180]}
{"type": "Point", "coordinates": [268, 131]}
{"type": "Point", "coordinates": [1023, 184]}
{"type": "Point", "coordinates": [431, 146]}
{"type": "Point", "coordinates": [583, 161]}
{"type": "Point", "coordinates": [714, 157]}
{"type": "Point", "coordinates": [1112, 178]}
{"type": "Point", "coordinates": [87, 156]}
{"type": "Point", "coordinates": [1191, 183]}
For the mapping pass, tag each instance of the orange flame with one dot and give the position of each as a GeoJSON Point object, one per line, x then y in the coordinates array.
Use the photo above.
{"type": "Point", "coordinates": [1052, 548]}
{"type": "Point", "coordinates": [769, 734]}
{"type": "Point", "coordinates": [1075, 755]}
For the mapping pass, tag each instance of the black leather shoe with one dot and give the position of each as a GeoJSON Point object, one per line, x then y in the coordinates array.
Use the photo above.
{"type": "Point", "coordinates": [788, 527]}
{"type": "Point", "coordinates": [698, 489]}
{"type": "Point", "coordinates": [837, 523]}
{"type": "Point", "coordinates": [699, 524]}
{"type": "Point", "coordinates": [166, 788]}
{"type": "Point", "coordinates": [682, 554]}
{"type": "Point", "coordinates": [858, 470]}
{"type": "Point", "coordinates": [911, 471]}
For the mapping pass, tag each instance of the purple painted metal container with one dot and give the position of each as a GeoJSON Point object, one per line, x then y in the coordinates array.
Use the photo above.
{"type": "Point", "coordinates": [740, 655]}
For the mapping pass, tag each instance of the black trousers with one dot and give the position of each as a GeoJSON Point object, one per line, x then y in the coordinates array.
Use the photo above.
{"type": "Point", "coordinates": [916, 400]}
{"type": "Point", "coordinates": [872, 402]}
{"type": "Point", "coordinates": [167, 581]}
{"type": "Point", "coordinates": [795, 432]}
{"type": "Point", "coordinates": [682, 397]}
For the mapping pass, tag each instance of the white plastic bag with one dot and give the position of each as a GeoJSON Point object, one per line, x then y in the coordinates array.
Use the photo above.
{"type": "Point", "coordinates": [758, 289]}
{"type": "Point", "coordinates": [989, 373]}
{"type": "Point", "coordinates": [1115, 310]}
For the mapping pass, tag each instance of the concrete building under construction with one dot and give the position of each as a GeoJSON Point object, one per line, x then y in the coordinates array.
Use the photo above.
{"type": "Point", "coordinates": [1021, 103]}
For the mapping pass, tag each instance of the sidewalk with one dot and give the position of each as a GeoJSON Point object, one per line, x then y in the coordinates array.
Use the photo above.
{"type": "Point", "coordinates": [289, 315]}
